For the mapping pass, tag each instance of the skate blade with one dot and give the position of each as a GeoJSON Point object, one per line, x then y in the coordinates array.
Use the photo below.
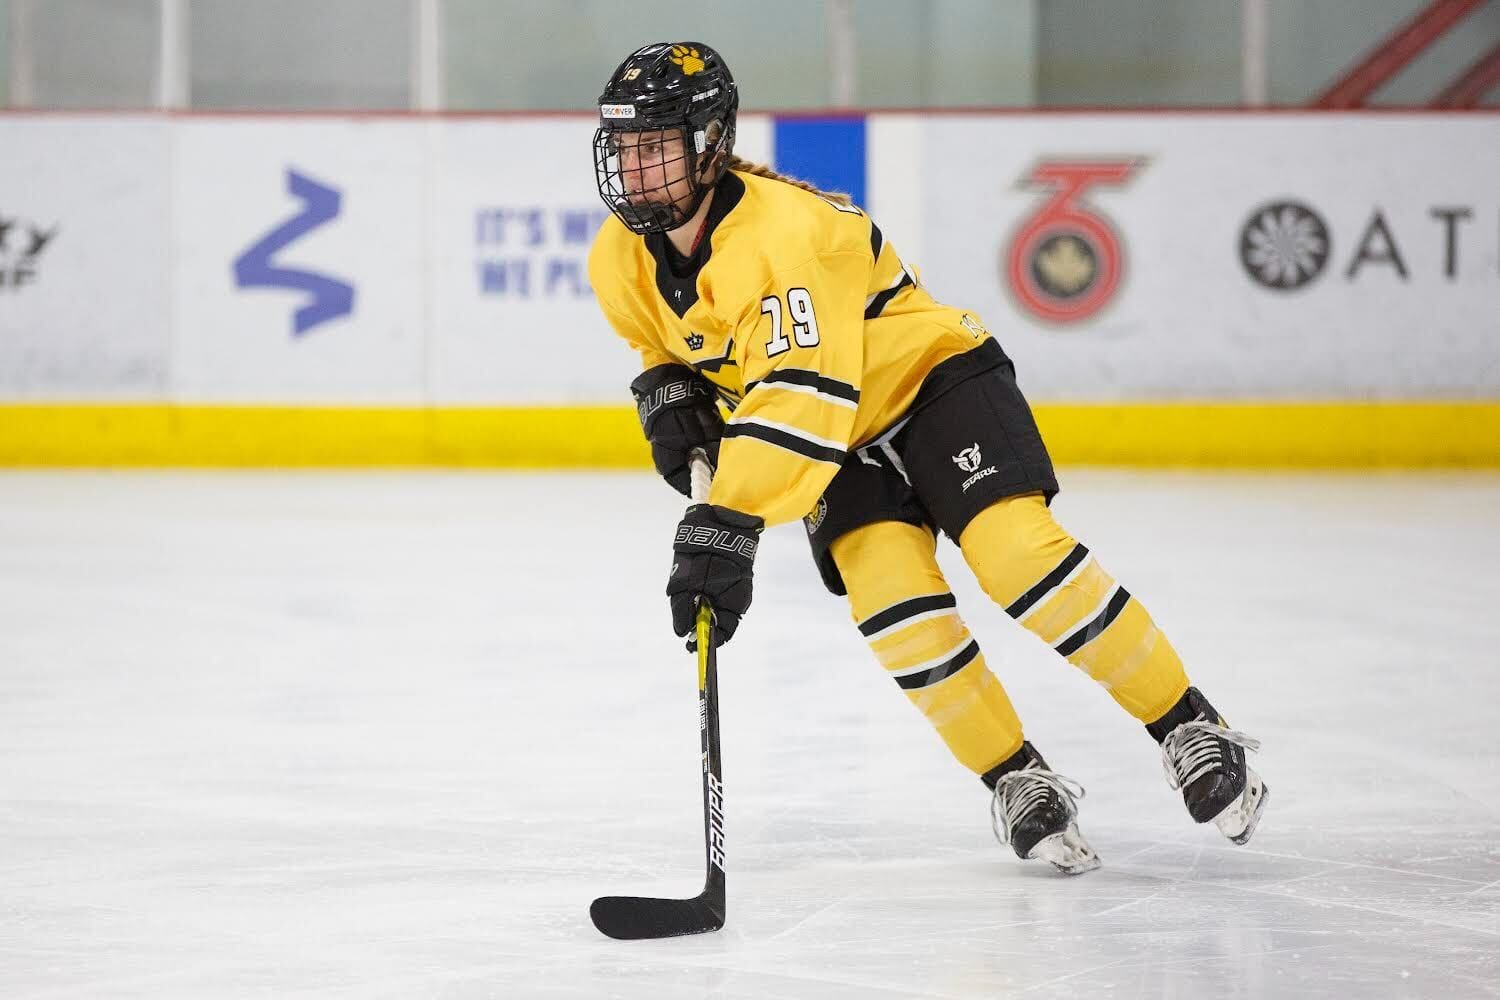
{"type": "Point", "coordinates": [1239, 819]}
{"type": "Point", "coordinates": [1066, 851]}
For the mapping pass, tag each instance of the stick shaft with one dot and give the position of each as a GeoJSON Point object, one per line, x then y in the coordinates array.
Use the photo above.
{"type": "Point", "coordinates": [634, 917]}
{"type": "Point", "coordinates": [702, 474]}
{"type": "Point", "coordinates": [708, 714]}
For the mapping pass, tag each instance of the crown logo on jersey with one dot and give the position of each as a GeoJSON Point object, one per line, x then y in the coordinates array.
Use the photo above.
{"type": "Point", "coordinates": [694, 341]}
{"type": "Point", "coordinates": [687, 59]}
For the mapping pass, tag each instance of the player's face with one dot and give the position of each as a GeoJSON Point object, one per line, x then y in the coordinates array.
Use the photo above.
{"type": "Point", "coordinates": [653, 166]}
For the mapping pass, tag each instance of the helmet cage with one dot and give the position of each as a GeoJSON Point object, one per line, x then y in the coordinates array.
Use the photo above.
{"type": "Point", "coordinates": [640, 181]}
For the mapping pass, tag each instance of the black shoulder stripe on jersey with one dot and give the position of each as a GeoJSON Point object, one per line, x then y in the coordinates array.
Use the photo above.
{"type": "Point", "coordinates": [715, 364]}
{"type": "Point", "coordinates": [789, 442]}
{"type": "Point", "coordinates": [811, 379]}
{"type": "Point", "coordinates": [876, 240]}
{"type": "Point", "coordinates": [896, 613]}
{"type": "Point", "coordinates": [1048, 583]}
{"type": "Point", "coordinates": [1091, 631]}
{"type": "Point", "coordinates": [882, 299]}
{"type": "Point", "coordinates": [943, 670]}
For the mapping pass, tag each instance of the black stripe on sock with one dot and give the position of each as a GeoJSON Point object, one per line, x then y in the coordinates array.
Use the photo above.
{"type": "Point", "coordinates": [1026, 601]}
{"type": "Point", "coordinates": [822, 383]}
{"type": "Point", "coordinates": [1091, 631]}
{"type": "Point", "coordinates": [928, 678]}
{"type": "Point", "coordinates": [782, 439]}
{"type": "Point", "coordinates": [906, 609]}
{"type": "Point", "coordinates": [884, 298]}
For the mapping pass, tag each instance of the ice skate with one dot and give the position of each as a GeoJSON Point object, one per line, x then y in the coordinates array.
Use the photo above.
{"type": "Point", "coordinates": [1034, 810]}
{"type": "Point", "coordinates": [1206, 761]}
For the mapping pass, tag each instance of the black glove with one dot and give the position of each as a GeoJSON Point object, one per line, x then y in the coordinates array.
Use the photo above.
{"type": "Point", "coordinates": [676, 407]}
{"type": "Point", "coordinates": [713, 556]}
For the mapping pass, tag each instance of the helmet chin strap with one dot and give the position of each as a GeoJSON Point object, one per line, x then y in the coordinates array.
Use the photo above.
{"type": "Point", "coordinates": [704, 191]}
{"type": "Point", "coordinates": [702, 197]}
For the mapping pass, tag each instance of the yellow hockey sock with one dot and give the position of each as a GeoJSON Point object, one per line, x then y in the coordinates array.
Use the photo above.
{"type": "Point", "coordinates": [1053, 586]}
{"type": "Point", "coordinates": [902, 606]}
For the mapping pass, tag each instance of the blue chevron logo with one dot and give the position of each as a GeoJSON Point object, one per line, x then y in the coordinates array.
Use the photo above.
{"type": "Point", "coordinates": [330, 298]}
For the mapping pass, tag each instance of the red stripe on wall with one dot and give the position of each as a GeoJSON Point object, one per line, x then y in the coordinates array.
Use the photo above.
{"type": "Point", "coordinates": [1468, 90]}
{"type": "Point", "coordinates": [1394, 53]}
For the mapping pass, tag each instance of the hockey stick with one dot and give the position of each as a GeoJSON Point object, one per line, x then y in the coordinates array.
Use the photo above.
{"type": "Point", "coordinates": [633, 917]}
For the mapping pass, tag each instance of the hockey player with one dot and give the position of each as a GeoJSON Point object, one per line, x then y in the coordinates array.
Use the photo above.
{"type": "Point", "coordinates": [880, 417]}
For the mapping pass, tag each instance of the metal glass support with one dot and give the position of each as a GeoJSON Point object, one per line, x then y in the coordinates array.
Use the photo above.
{"type": "Point", "coordinates": [172, 55]}
{"type": "Point", "coordinates": [22, 80]}
{"type": "Point", "coordinates": [841, 69]}
{"type": "Point", "coordinates": [427, 69]}
{"type": "Point", "coordinates": [1253, 90]}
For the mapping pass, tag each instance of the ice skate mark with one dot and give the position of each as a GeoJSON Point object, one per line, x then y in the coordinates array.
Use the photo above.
{"type": "Point", "coordinates": [1125, 906]}
{"type": "Point", "coordinates": [1321, 901]}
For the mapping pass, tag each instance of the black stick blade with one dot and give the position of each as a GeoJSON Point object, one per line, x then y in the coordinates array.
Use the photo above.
{"type": "Point", "coordinates": [631, 918]}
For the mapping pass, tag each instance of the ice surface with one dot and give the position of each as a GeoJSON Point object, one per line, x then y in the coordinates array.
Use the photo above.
{"type": "Point", "coordinates": [388, 735]}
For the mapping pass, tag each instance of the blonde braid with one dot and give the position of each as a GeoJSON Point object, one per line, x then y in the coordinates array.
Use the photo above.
{"type": "Point", "coordinates": [761, 170]}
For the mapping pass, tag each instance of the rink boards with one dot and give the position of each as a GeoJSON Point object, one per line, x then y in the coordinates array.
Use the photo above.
{"type": "Point", "coordinates": [1271, 289]}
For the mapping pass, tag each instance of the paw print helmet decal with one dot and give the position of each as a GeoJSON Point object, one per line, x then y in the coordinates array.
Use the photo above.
{"type": "Point", "coordinates": [688, 59]}
{"type": "Point", "coordinates": [666, 132]}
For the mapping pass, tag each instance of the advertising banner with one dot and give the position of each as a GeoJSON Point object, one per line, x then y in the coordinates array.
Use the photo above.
{"type": "Point", "coordinates": [83, 258]}
{"type": "Point", "coordinates": [432, 261]}
{"type": "Point", "coordinates": [298, 261]}
{"type": "Point", "coordinates": [514, 211]}
{"type": "Point", "coordinates": [1173, 257]}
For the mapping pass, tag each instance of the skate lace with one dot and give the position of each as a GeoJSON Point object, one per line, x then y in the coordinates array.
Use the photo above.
{"type": "Point", "coordinates": [1192, 750]}
{"type": "Point", "coordinates": [1018, 792]}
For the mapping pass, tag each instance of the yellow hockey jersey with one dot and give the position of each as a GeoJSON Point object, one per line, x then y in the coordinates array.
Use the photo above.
{"type": "Point", "coordinates": [814, 332]}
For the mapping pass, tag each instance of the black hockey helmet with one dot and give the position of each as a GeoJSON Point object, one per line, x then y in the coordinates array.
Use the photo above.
{"type": "Point", "coordinates": [663, 92]}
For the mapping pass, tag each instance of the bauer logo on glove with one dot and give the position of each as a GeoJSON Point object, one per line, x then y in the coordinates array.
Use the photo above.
{"type": "Point", "coordinates": [701, 537]}
{"type": "Point", "coordinates": [714, 551]}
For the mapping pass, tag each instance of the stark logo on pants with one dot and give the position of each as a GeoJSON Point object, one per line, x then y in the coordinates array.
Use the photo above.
{"type": "Point", "coordinates": [968, 459]}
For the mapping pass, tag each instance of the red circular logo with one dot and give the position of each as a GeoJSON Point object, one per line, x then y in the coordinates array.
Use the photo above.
{"type": "Point", "coordinates": [1065, 261]}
